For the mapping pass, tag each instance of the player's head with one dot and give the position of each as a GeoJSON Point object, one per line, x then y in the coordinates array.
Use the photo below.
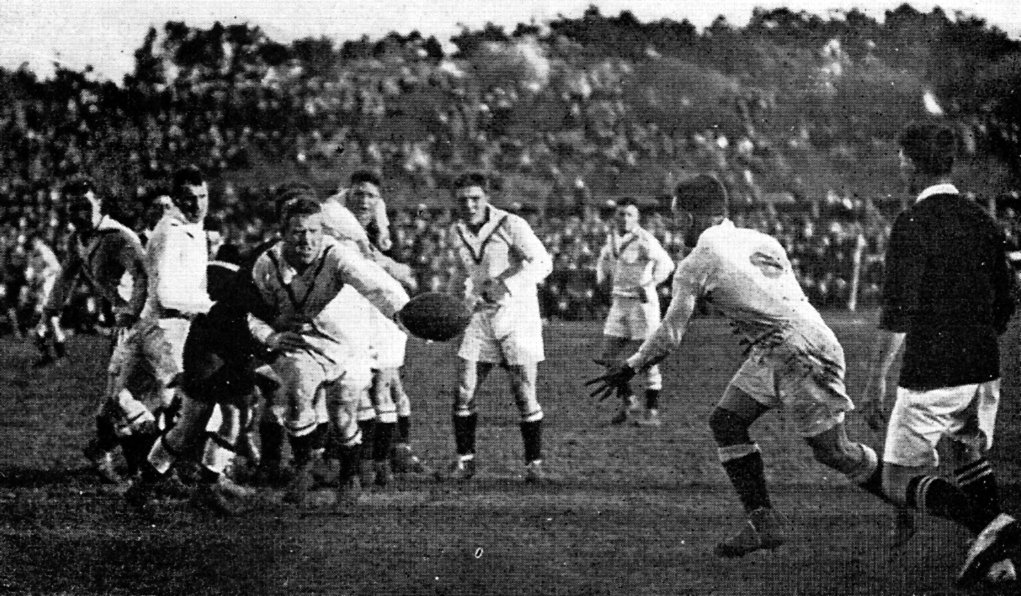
{"type": "Point", "coordinates": [626, 215]}
{"type": "Point", "coordinates": [155, 204]}
{"type": "Point", "coordinates": [84, 206]}
{"type": "Point", "coordinates": [289, 191]}
{"type": "Point", "coordinates": [927, 151]}
{"type": "Point", "coordinates": [363, 195]}
{"type": "Point", "coordinates": [471, 192]}
{"type": "Point", "coordinates": [190, 193]}
{"type": "Point", "coordinates": [301, 230]}
{"type": "Point", "coordinates": [699, 202]}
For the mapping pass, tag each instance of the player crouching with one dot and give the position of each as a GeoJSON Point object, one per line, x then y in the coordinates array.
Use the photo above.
{"type": "Point", "coordinates": [217, 383]}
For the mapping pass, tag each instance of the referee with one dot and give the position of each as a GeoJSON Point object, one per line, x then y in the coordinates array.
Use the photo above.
{"type": "Point", "coordinates": [946, 299]}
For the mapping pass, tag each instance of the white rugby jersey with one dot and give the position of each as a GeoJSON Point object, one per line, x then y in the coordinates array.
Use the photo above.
{"type": "Point", "coordinates": [112, 261]}
{"type": "Point", "coordinates": [42, 263]}
{"type": "Point", "coordinates": [636, 262]}
{"type": "Point", "coordinates": [747, 276]}
{"type": "Point", "coordinates": [342, 225]}
{"type": "Point", "coordinates": [504, 248]}
{"type": "Point", "coordinates": [176, 259]}
{"type": "Point", "coordinates": [300, 300]}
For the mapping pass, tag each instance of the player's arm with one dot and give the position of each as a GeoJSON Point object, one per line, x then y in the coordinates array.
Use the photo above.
{"type": "Point", "coordinates": [899, 303]}
{"type": "Point", "coordinates": [535, 263]}
{"type": "Point", "coordinates": [260, 299]}
{"type": "Point", "coordinates": [372, 282]}
{"type": "Point", "coordinates": [51, 265]}
{"type": "Point", "coordinates": [171, 265]}
{"type": "Point", "coordinates": [399, 271]}
{"type": "Point", "coordinates": [661, 263]}
{"type": "Point", "coordinates": [131, 256]}
{"type": "Point", "coordinates": [65, 282]}
{"type": "Point", "coordinates": [604, 265]}
{"type": "Point", "coordinates": [689, 283]}
{"type": "Point", "coordinates": [671, 330]}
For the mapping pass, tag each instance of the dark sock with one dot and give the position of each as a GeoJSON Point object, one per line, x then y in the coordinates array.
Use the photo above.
{"type": "Point", "coordinates": [531, 434]}
{"type": "Point", "coordinates": [978, 481]}
{"type": "Point", "coordinates": [350, 458]}
{"type": "Point", "coordinates": [271, 439]}
{"type": "Point", "coordinates": [652, 399]}
{"type": "Point", "coordinates": [383, 441]}
{"type": "Point", "coordinates": [403, 429]}
{"type": "Point", "coordinates": [208, 476]}
{"type": "Point", "coordinates": [624, 393]}
{"type": "Point", "coordinates": [368, 428]}
{"type": "Point", "coordinates": [464, 433]}
{"type": "Point", "coordinates": [301, 449]}
{"type": "Point", "coordinates": [748, 476]}
{"type": "Point", "coordinates": [149, 473]}
{"type": "Point", "coordinates": [106, 433]}
{"type": "Point", "coordinates": [938, 497]}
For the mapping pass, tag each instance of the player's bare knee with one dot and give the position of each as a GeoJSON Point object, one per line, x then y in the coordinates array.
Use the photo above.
{"type": "Point", "coordinates": [728, 428]}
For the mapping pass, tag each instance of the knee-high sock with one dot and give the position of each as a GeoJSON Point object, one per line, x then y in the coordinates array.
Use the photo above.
{"type": "Point", "coordinates": [746, 470]}
{"type": "Point", "coordinates": [936, 496]}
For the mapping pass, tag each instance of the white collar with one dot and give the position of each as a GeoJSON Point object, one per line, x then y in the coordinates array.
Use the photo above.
{"type": "Point", "coordinates": [937, 189]}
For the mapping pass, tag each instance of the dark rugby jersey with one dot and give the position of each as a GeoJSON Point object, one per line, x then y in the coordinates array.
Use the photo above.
{"type": "Point", "coordinates": [949, 288]}
{"type": "Point", "coordinates": [219, 353]}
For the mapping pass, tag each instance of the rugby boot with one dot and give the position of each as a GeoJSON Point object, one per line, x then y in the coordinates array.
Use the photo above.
{"type": "Point", "coordinates": [384, 474]}
{"type": "Point", "coordinates": [627, 407]}
{"type": "Point", "coordinates": [149, 486]}
{"type": "Point", "coordinates": [404, 461]}
{"type": "Point", "coordinates": [763, 531]}
{"type": "Point", "coordinates": [300, 485]}
{"type": "Point", "coordinates": [994, 544]}
{"type": "Point", "coordinates": [903, 528]}
{"type": "Point", "coordinates": [535, 473]}
{"type": "Point", "coordinates": [460, 470]}
{"type": "Point", "coordinates": [102, 463]}
{"type": "Point", "coordinates": [223, 496]}
{"type": "Point", "coordinates": [651, 419]}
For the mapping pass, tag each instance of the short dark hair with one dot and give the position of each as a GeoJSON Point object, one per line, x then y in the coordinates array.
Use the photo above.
{"type": "Point", "coordinates": [469, 179]}
{"type": "Point", "coordinates": [628, 202]}
{"type": "Point", "coordinates": [931, 146]}
{"type": "Point", "coordinates": [369, 176]}
{"type": "Point", "coordinates": [289, 191]}
{"type": "Point", "coordinates": [189, 175]}
{"type": "Point", "coordinates": [702, 194]}
{"type": "Point", "coordinates": [77, 186]}
{"type": "Point", "coordinates": [298, 206]}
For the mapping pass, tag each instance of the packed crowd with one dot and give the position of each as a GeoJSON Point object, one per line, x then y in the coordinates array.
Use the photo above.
{"type": "Point", "coordinates": [826, 242]}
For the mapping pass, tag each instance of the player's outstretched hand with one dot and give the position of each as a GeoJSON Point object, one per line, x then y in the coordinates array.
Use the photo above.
{"type": "Point", "coordinates": [287, 341]}
{"type": "Point", "coordinates": [617, 376]}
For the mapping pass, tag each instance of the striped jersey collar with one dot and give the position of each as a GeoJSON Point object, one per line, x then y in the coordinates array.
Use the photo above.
{"type": "Point", "coordinates": [937, 189]}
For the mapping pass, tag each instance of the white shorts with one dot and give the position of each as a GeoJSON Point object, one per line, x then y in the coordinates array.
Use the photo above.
{"type": "Point", "coordinates": [155, 345]}
{"type": "Point", "coordinates": [965, 414]}
{"type": "Point", "coordinates": [388, 343]}
{"type": "Point", "coordinates": [810, 388]}
{"type": "Point", "coordinates": [504, 335]}
{"type": "Point", "coordinates": [631, 318]}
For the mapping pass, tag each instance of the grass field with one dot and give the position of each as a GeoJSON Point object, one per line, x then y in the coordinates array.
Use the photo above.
{"type": "Point", "coordinates": [632, 511]}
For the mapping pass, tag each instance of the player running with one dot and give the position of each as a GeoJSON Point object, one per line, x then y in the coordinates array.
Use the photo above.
{"type": "Point", "coordinates": [43, 270]}
{"type": "Point", "coordinates": [109, 257]}
{"type": "Point", "coordinates": [298, 279]}
{"type": "Point", "coordinates": [633, 263]}
{"type": "Point", "coordinates": [946, 297]}
{"type": "Point", "coordinates": [501, 263]}
{"type": "Point", "coordinates": [794, 360]}
{"type": "Point", "coordinates": [176, 261]}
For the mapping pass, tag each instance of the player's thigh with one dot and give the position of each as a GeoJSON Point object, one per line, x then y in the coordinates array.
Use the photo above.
{"type": "Point", "coordinates": [752, 384]}
{"type": "Point", "coordinates": [524, 345]}
{"type": "Point", "coordinates": [644, 320]}
{"type": "Point", "coordinates": [163, 346]}
{"type": "Point", "coordinates": [920, 419]}
{"type": "Point", "coordinates": [743, 404]}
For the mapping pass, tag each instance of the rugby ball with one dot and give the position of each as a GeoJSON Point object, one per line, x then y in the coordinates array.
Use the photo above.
{"type": "Point", "coordinates": [435, 316]}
